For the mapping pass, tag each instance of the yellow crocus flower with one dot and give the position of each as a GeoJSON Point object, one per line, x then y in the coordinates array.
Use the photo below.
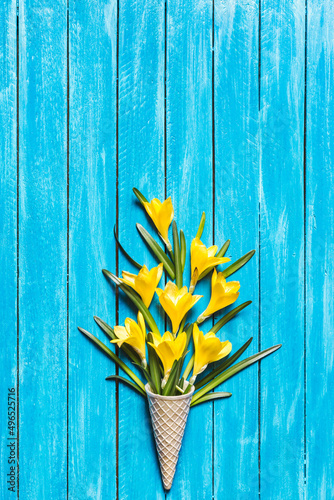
{"type": "Point", "coordinates": [222, 294]}
{"type": "Point", "coordinates": [176, 302]}
{"type": "Point", "coordinates": [208, 349]}
{"type": "Point", "coordinates": [169, 348]}
{"type": "Point", "coordinates": [133, 334]}
{"type": "Point", "coordinates": [145, 282]}
{"type": "Point", "coordinates": [202, 258]}
{"type": "Point", "coordinates": [162, 215]}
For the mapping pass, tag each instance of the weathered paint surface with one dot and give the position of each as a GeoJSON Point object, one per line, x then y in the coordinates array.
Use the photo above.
{"type": "Point", "coordinates": [282, 247]}
{"type": "Point", "coordinates": [42, 250]}
{"type": "Point", "coordinates": [319, 250]}
{"type": "Point", "coordinates": [92, 191]}
{"type": "Point", "coordinates": [237, 218]}
{"type": "Point", "coordinates": [140, 153]}
{"type": "Point", "coordinates": [226, 106]}
{"type": "Point", "coordinates": [8, 226]}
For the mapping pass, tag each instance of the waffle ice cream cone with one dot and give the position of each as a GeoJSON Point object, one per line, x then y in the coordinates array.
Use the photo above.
{"type": "Point", "coordinates": [169, 417]}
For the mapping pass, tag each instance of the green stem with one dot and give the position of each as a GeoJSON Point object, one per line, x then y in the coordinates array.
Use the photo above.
{"type": "Point", "coordinates": [182, 323]}
{"type": "Point", "coordinates": [183, 248]}
{"type": "Point", "coordinates": [177, 257]}
{"type": "Point", "coordinates": [201, 226]}
{"type": "Point", "coordinates": [189, 367]}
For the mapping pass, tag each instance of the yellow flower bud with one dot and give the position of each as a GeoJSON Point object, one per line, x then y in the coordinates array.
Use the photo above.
{"type": "Point", "coordinates": [169, 348]}
{"type": "Point", "coordinates": [133, 334]}
{"type": "Point", "coordinates": [208, 349]}
{"type": "Point", "coordinates": [176, 302]}
{"type": "Point", "coordinates": [203, 258]}
{"type": "Point", "coordinates": [145, 282]}
{"type": "Point", "coordinates": [161, 214]}
{"type": "Point", "coordinates": [222, 294]}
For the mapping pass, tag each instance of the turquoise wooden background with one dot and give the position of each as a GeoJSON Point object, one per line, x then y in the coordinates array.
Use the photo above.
{"type": "Point", "coordinates": [226, 105]}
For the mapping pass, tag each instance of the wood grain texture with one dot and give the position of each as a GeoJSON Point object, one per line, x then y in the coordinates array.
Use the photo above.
{"type": "Point", "coordinates": [43, 249]}
{"type": "Point", "coordinates": [282, 248]}
{"type": "Point", "coordinates": [204, 102]}
{"type": "Point", "coordinates": [319, 250]}
{"type": "Point", "coordinates": [92, 213]}
{"type": "Point", "coordinates": [8, 225]}
{"type": "Point", "coordinates": [189, 183]}
{"type": "Point", "coordinates": [236, 218]}
{"type": "Point", "coordinates": [141, 165]}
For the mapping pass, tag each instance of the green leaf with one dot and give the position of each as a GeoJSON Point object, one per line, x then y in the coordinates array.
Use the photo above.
{"type": "Point", "coordinates": [113, 356]}
{"type": "Point", "coordinates": [188, 367]}
{"type": "Point", "coordinates": [225, 319]}
{"type": "Point", "coordinates": [201, 226]}
{"type": "Point", "coordinates": [178, 374]}
{"type": "Point", "coordinates": [157, 250]}
{"type": "Point", "coordinates": [223, 249]}
{"type": "Point", "coordinates": [167, 390]}
{"type": "Point", "coordinates": [105, 328]}
{"type": "Point", "coordinates": [174, 377]}
{"type": "Point", "coordinates": [134, 297]}
{"type": "Point", "coordinates": [238, 264]}
{"type": "Point", "coordinates": [234, 370]}
{"type": "Point", "coordinates": [140, 196]}
{"type": "Point", "coordinates": [223, 365]}
{"type": "Point", "coordinates": [183, 249]}
{"type": "Point", "coordinates": [188, 329]}
{"type": "Point", "coordinates": [181, 327]}
{"type": "Point", "coordinates": [154, 365]}
{"type": "Point", "coordinates": [111, 334]}
{"type": "Point", "coordinates": [220, 253]}
{"type": "Point", "coordinates": [127, 382]}
{"type": "Point", "coordinates": [177, 257]}
{"type": "Point", "coordinates": [130, 259]}
{"type": "Point", "coordinates": [148, 377]}
{"type": "Point", "coordinates": [212, 395]}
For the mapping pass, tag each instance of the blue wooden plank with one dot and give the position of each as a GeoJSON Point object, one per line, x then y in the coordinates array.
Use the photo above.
{"type": "Point", "coordinates": [141, 165]}
{"type": "Point", "coordinates": [236, 218]}
{"type": "Point", "coordinates": [319, 248]}
{"type": "Point", "coordinates": [92, 205]}
{"type": "Point", "coordinates": [189, 182]}
{"type": "Point", "coordinates": [282, 248]}
{"type": "Point", "coordinates": [43, 260]}
{"type": "Point", "coordinates": [8, 249]}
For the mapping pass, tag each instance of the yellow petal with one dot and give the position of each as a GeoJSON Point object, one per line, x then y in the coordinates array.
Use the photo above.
{"type": "Point", "coordinates": [223, 293]}
{"type": "Point", "coordinates": [203, 258]}
{"type": "Point", "coordinates": [121, 334]}
{"type": "Point", "coordinates": [212, 251]}
{"type": "Point", "coordinates": [156, 338]}
{"type": "Point", "coordinates": [128, 278]}
{"type": "Point", "coordinates": [161, 214]}
{"type": "Point", "coordinates": [167, 337]}
{"type": "Point", "coordinates": [176, 302]}
{"type": "Point", "coordinates": [133, 335]}
{"type": "Point", "coordinates": [141, 324]}
{"type": "Point", "coordinates": [208, 349]}
{"type": "Point", "coordinates": [145, 282]}
{"type": "Point", "coordinates": [170, 349]}
{"type": "Point", "coordinates": [165, 353]}
{"type": "Point", "coordinates": [166, 215]}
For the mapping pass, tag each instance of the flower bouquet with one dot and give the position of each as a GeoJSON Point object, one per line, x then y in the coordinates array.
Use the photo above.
{"type": "Point", "coordinates": [176, 380]}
